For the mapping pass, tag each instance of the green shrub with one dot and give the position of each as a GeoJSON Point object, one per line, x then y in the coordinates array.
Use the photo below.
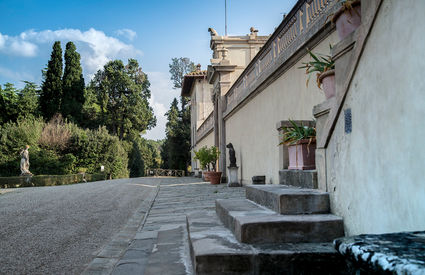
{"type": "Point", "coordinates": [88, 149]}
{"type": "Point", "coordinates": [94, 148]}
{"type": "Point", "coordinates": [48, 180]}
{"type": "Point", "coordinates": [95, 177]}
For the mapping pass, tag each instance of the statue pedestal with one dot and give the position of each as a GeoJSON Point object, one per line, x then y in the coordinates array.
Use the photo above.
{"type": "Point", "coordinates": [233, 177]}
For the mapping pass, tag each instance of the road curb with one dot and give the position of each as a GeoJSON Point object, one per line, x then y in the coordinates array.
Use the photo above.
{"type": "Point", "coordinates": [111, 253]}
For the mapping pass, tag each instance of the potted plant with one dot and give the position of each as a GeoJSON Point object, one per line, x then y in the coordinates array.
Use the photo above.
{"type": "Point", "coordinates": [348, 18]}
{"type": "Point", "coordinates": [203, 156]}
{"type": "Point", "coordinates": [301, 142]}
{"type": "Point", "coordinates": [208, 159]}
{"type": "Point", "coordinates": [324, 66]}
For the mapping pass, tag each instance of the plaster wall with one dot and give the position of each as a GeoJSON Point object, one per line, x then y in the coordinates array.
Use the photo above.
{"type": "Point", "coordinates": [208, 141]}
{"type": "Point", "coordinates": [376, 173]}
{"type": "Point", "coordinates": [239, 56]}
{"type": "Point", "coordinates": [252, 129]}
{"type": "Point", "coordinates": [204, 105]}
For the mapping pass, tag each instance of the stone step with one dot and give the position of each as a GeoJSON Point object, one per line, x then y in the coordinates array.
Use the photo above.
{"type": "Point", "coordinates": [214, 250]}
{"type": "Point", "coordinates": [299, 178]}
{"type": "Point", "coordinates": [289, 201]}
{"type": "Point", "coordinates": [252, 223]}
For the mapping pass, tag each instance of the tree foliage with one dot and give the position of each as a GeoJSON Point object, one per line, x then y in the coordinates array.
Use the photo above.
{"type": "Point", "coordinates": [72, 85]}
{"type": "Point", "coordinates": [87, 149]}
{"type": "Point", "coordinates": [114, 109]}
{"type": "Point", "coordinates": [178, 68]}
{"type": "Point", "coordinates": [122, 93]}
{"type": "Point", "coordinates": [176, 147]}
{"type": "Point", "coordinates": [136, 163]}
{"type": "Point", "coordinates": [51, 88]}
{"type": "Point", "coordinates": [16, 103]}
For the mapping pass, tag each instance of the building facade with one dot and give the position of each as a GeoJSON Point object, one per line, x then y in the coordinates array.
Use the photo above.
{"type": "Point", "coordinates": [368, 155]}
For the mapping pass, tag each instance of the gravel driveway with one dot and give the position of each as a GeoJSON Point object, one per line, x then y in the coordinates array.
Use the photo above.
{"type": "Point", "coordinates": [59, 230]}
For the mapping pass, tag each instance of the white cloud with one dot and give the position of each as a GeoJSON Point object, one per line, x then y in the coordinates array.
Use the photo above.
{"type": "Point", "coordinates": [127, 33]}
{"type": "Point", "coordinates": [2, 41]}
{"type": "Point", "coordinates": [96, 48]}
{"type": "Point", "coordinates": [162, 95]}
{"type": "Point", "coordinates": [17, 46]}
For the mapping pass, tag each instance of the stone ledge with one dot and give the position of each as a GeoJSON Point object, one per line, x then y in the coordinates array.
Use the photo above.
{"type": "Point", "coordinates": [394, 253]}
{"type": "Point", "coordinates": [254, 224]}
{"type": "Point", "coordinates": [299, 178]}
{"type": "Point", "coordinates": [289, 201]}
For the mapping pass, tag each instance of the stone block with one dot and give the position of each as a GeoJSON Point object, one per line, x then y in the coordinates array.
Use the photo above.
{"type": "Point", "coordinates": [289, 201]}
{"type": "Point", "coordinates": [233, 177]}
{"type": "Point", "coordinates": [259, 180]}
{"type": "Point", "coordinates": [215, 250]}
{"type": "Point", "coordinates": [251, 223]}
{"type": "Point", "coordinates": [299, 178]}
{"type": "Point", "coordinates": [392, 253]}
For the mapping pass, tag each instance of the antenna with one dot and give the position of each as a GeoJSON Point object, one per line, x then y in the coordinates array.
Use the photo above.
{"type": "Point", "coordinates": [225, 17]}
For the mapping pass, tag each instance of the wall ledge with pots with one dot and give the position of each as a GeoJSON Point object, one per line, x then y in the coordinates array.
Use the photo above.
{"type": "Point", "coordinates": [347, 54]}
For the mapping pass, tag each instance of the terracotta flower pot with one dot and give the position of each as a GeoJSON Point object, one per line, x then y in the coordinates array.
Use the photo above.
{"type": "Point", "coordinates": [206, 175]}
{"type": "Point", "coordinates": [215, 177]}
{"type": "Point", "coordinates": [302, 155]}
{"type": "Point", "coordinates": [327, 80]}
{"type": "Point", "coordinates": [347, 21]}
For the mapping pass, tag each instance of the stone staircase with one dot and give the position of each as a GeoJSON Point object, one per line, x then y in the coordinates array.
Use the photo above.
{"type": "Point", "coordinates": [276, 230]}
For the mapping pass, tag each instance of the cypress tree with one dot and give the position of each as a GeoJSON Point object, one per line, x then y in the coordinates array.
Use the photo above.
{"type": "Point", "coordinates": [136, 163]}
{"type": "Point", "coordinates": [172, 132]}
{"type": "Point", "coordinates": [72, 85]}
{"type": "Point", "coordinates": [51, 89]}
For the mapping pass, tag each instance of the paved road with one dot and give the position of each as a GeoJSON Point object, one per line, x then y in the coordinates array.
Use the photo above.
{"type": "Point", "coordinates": [59, 230]}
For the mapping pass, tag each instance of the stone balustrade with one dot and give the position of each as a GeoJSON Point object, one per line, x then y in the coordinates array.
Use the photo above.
{"type": "Point", "coordinates": [206, 127]}
{"type": "Point", "coordinates": [295, 32]}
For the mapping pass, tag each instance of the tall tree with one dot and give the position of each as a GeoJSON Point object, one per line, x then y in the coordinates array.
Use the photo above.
{"type": "Point", "coordinates": [170, 148]}
{"type": "Point", "coordinates": [16, 103]}
{"type": "Point", "coordinates": [51, 88]}
{"type": "Point", "coordinates": [72, 85]}
{"type": "Point", "coordinates": [122, 93]}
{"type": "Point", "coordinates": [28, 103]}
{"type": "Point", "coordinates": [179, 67]}
{"type": "Point", "coordinates": [176, 147]}
{"type": "Point", "coordinates": [135, 162]}
{"type": "Point", "coordinates": [8, 103]}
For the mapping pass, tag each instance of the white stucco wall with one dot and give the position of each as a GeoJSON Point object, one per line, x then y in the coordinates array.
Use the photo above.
{"type": "Point", "coordinates": [204, 106]}
{"type": "Point", "coordinates": [252, 129]}
{"type": "Point", "coordinates": [376, 173]}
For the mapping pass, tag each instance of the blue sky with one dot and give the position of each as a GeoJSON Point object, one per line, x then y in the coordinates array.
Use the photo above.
{"type": "Point", "coordinates": [153, 32]}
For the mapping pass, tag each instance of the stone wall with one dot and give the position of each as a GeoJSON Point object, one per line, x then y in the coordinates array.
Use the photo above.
{"type": "Point", "coordinates": [375, 173]}
{"type": "Point", "coordinates": [252, 129]}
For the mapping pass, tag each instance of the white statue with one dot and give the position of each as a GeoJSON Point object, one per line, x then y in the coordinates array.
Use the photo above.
{"type": "Point", "coordinates": [25, 162]}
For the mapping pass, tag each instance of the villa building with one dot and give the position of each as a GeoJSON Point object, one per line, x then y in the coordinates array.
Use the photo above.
{"type": "Point", "coordinates": [368, 155]}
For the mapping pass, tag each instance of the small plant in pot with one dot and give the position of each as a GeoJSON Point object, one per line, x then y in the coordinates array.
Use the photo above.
{"type": "Point", "coordinates": [324, 67]}
{"type": "Point", "coordinates": [301, 142]}
{"type": "Point", "coordinates": [203, 156]}
{"type": "Point", "coordinates": [208, 159]}
{"type": "Point", "coordinates": [348, 18]}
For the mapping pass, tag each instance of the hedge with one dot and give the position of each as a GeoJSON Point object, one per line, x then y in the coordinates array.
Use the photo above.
{"type": "Point", "coordinates": [48, 180]}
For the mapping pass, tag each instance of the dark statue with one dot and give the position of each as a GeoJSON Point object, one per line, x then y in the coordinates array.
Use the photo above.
{"type": "Point", "coordinates": [232, 155]}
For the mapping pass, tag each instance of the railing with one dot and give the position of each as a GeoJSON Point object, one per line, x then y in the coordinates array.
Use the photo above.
{"type": "Point", "coordinates": [158, 172]}
{"type": "Point", "coordinates": [301, 25]}
{"type": "Point", "coordinates": [206, 127]}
